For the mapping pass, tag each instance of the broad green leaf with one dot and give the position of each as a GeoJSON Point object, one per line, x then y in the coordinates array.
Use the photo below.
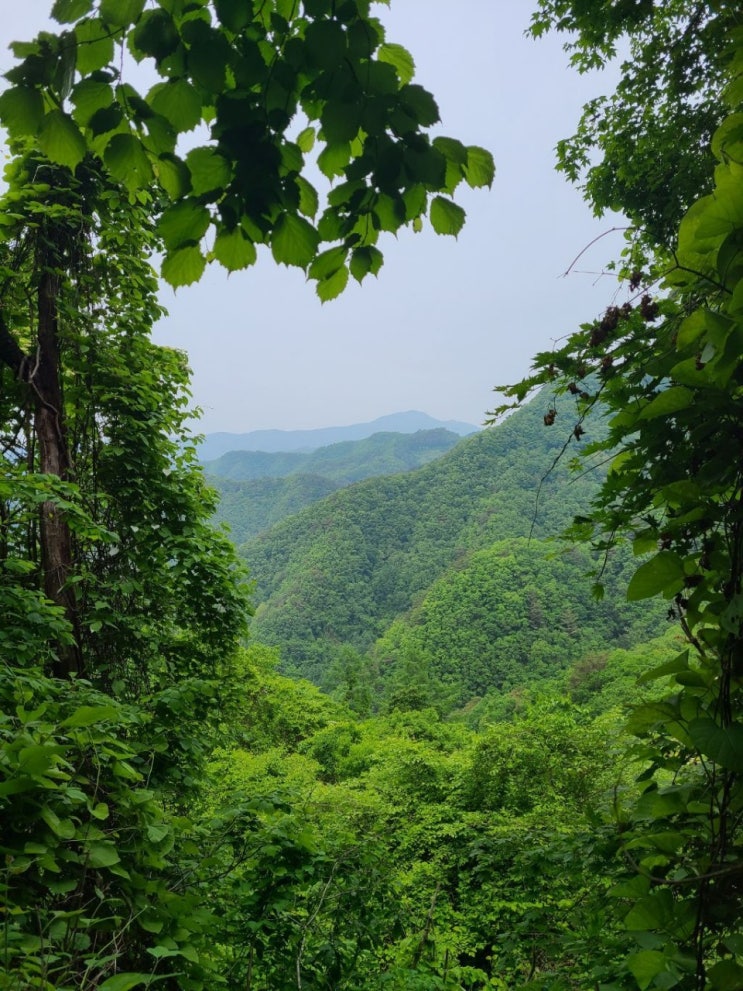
{"type": "Point", "coordinates": [177, 101]}
{"type": "Point", "coordinates": [726, 975]}
{"type": "Point", "coordinates": [306, 138]}
{"type": "Point", "coordinates": [651, 912]}
{"type": "Point", "coordinates": [89, 715]}
{"type": "Point", "coordinates": [674, 666]}
{"type": "Point", "coordinates": [155, 35]}
{"type": "Point", "coordinates": [89, 97]}
{"type": "Point", "coordinates": [308, 198]}
{"type": "Point", "coordinates": [125, 982]}
{"type": "Point", "coordinates": [479, 169]}
{"type": "Point", "coordinates": [60, 139]}
{"type": "Point", "coordinates": [327, 263]}
{"type": "Point", "coordinates": [422, 104]}
{"type": "Point", "coordinates": [446, 216]}
{"type": "Point", "coordinates": [325, 41]}
{"type": "Point", "coordinates": [37, 759]}
{"type": "Point", "coordinates": [121, 13]}
{"type": "Point", "coordinates": [102, 855]}
{"type": "Point", "coordinates": [209, 170]}
{"type": "Point", "coordinates": [451, 149]}
{"type": "Point", "coordinates": [364, 261]}
{"type": "Point", "coordinates": [127, 161]}
{"type": "Point", "coordinates": [645, 966]}
{"type": "Point", "coordinates": [333, 286]}
{"type": "Point", "coordinates": [67, 11]}
{"type": "Point", "coordinates": [21, 110]}
{"type": "Point", "coordinates": [294, 241]}
{"type": "Point", "coordinates": [63, 828]}
{"type": "Point", "coordinates": [340, 121]}
{"type": "Point", "coordinates": [671, 400]}
{"type": "Point", "coordinates": [233, 250]}
{"type": "Point", "coordinates": [234, 14]}
{"type": "Point", "coordinates": [722, 744]}
{"type": "Point", "coordinates": [172, 175]}
{"type": "Point", "coordinates": [333, 159]}
{"type": "Point", "coordinates": [183, 266]}
{"type": "Point", "coordinates": [183, 223]}
{"type": "Point", "coordinates": [662, 573]}
{"type": "Point", "coordinates": [95, 45]}
{"type": "Point", "coordinates": [400, 58]}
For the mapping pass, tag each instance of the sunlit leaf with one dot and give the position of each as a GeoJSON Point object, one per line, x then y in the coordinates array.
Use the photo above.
{"type": "Point", "coordinates": [294, 241]}
{"type": "Point", "coordinates": [446, 216]}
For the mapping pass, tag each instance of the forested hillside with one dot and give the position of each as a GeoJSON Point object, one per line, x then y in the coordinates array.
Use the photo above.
{"type": "Point", "coordinates": [259, 488]}
{"type": "Point", "coordinates": [342, 573]}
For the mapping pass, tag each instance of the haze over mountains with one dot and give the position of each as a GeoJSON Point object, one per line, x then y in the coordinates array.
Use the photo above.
{"type": "Point", "coordinates": [216, 444]}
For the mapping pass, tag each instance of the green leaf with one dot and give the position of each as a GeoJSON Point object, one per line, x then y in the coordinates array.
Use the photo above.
{"type": "Point", "coordinates": [294, 241]}
{"type": "Point", "coordinates": [722, 744]}
{"type": "Point", "coordinates": [421, 103]}
{"type": "Point", "coordinates": [340, 121]}
{"type": "Point", "coordinates": [333, 159]}
{"type": "Point", "coordinates": [125, 982]}
{"type": "Point", "coordinates": [671, 400]}
{"type": "Point", "coordinates": [233, 250]}
{"type": "Point", "coordinates": [451, 149]}
{"type": "Point", "coordinates": [63, 828]}
{"type": "Point", "coordinates": [306, 138]}
{"type": "Point", "coordinates": [446, 216]}
{"type": "Point", "coordinates": [364, 261]}
{"type": "Point", "coordinates": [184, 223]}
{"type": "Point", "coordinates": [184, 266]}
{"type": "Point", "coordinates": [155, 35]}
{"type": "Point", "coordinates": [325, 43]}
{"type": "Point", "coordinates": [127, 161]}
{"type": "Point", "coordinates": [103, 855]}
{"type": "Point", "coordinates": [121, 13]}
{"type": "Point", "coordinates": [60, 139]}
{"type": "Point", "coordinates": [662, 573]}
{"type": "Point", "coordinates": [479, 169]}
{"type": "Point", "coordinates": [333, 286]}
{"type": "Point", "coordinates": [400, 58]}
{"type": "Point", "coordinates": [172, 175]}
{"type": "Point", "coordinates": [327, 263]}
{"type": "Point", "coordinates": [675, 666]}
{"type": "Point", "coordinates": [67, 11]}
{"type": "Point", "coordinates": [308, 198]}
{"type": "Point", "coordinates": [645, 966]}
{"type": "Point", "coordinates": [726, 975]}
{"type": "Point", "coordinates": [89, 715]}
{"type": "Point", "coordinates": [209, 170]}
{"type": "Point", "coordinates": [95, 45]}
{"type": "Point", "coordinates": [21, 110]}
{"type": "Point", "coordinates": [89, 97]}
{"type": "Point", "coordinates": [177, 101]}
{"type": "Point", "coordinates": [234, 14]}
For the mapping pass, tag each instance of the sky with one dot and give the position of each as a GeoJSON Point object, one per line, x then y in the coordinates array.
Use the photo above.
{"type": "Point", "coordinates": [447, 319]}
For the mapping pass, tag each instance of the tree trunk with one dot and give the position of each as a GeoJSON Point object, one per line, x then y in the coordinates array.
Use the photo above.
{"type": "Point", "coordinates": [55, 536]}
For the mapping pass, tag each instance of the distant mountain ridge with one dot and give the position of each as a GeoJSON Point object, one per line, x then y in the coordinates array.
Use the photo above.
{"type": "Point", "coordinates": [215, 445]}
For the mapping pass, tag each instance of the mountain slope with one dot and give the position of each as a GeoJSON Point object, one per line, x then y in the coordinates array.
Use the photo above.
{"type": "Point", "coordinates": [339, 572]}
{"type": "Point", "coordinates": [257, 489]}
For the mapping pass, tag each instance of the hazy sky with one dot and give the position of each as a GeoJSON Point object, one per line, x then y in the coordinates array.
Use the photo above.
{"type": "Point", "coordinates": [446, 319]}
